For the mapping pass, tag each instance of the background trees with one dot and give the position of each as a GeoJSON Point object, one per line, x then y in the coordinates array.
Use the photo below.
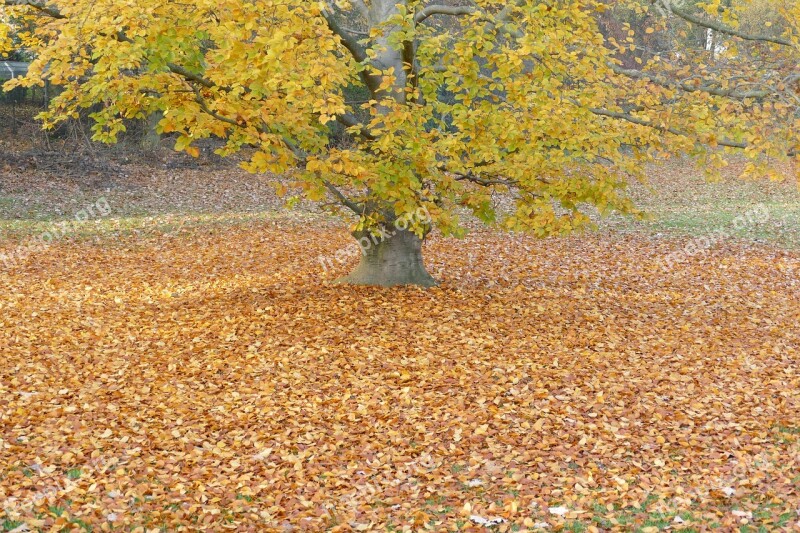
{"type": "Point", "coordinates": [556, 104]}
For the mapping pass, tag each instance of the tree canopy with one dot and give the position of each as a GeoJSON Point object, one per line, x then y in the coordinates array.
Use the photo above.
{"type": "Point", "coordinates": [536, 99]}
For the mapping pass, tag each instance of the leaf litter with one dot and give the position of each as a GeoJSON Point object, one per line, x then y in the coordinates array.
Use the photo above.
{"type": "Point", "coordinates": [216, 378]}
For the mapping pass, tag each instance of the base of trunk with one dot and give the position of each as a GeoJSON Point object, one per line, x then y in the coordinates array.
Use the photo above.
{"type": "Point", "coordinates": [393, 259]}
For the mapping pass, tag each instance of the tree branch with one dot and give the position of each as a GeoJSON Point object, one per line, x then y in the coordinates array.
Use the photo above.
{"type": "Point", "coordinates": [350, 42]}
{"type": "Point", "coordinates": [501, 17]}
{"type": "Point", "coordinates": [176, 69]}
{"type": "Point", "coordinates": [190, 76]}
{"type": "Point", "coordinates": [38, 5]}
{"type": "Point", "coordinates": [687, 87]}
{"type": "Point", "coordinates": [204, 107]}
{"type": "Point", "coordinates": [443, 10]}
{"type": "Point", "coordinates": [722, 28]}
{"type": "Point", "coordinates": [362, 8]}
{"type": "Point", "coordinates": [344, 200]}
{"type": "Point", "coordinates": [483, 181]}
{"type": "Point", "coordinates": [350, 121]}
{"type": "Point", "coordinates": [664, 129]}
{"type": "Point", "coordinates": [336, 192]}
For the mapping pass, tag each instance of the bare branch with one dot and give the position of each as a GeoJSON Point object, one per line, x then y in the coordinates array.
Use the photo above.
{"type": "Point", "coordinates": [443, 10]}
{"type": "Point", "coordinates": [483, 181]}
{"type": "Point", "coordinates": [354, 31]}
{"type": "Point", "coordinates": [190, 76]}
{"type": "Point", "coordinates": [344, 200]}
{"type": "Point", "coordinates": [721, 28]}
{"type": "Point", "coordinates": [350, 121]}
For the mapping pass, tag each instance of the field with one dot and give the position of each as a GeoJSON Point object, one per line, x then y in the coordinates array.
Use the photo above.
{"type": "Point", "coordinates": [182, 359]}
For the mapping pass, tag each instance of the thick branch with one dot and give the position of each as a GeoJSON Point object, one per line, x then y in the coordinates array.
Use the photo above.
{"type": "Point", "coordinates": [443, 10]}
{"type": "Point", "coordinates": [483, 181]}
{"type": "Point", "coordinates": [688, 87]}
{"type": "Point", "coordinates": [362, 8]}
{"type": "Point", "coordinates": [354, 207]}
{"type": "Point", "coordinates": [350, 121]}
{"type": "Point", "coordinates": [350, 42]}
{"type": "Point", "coordinates": [190, 76]}
{"type": "Point", "coordinates": [657, 127]}
{"type": "Point", "coordinates": [722, 28]}
{"type": "Point", "coordinates": [38, 5]}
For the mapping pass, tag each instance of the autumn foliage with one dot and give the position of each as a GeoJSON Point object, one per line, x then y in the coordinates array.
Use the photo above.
{"type": "Point", "coordinates": [213, 377]}
{"type": "Point", "coordinates": [462, 102]}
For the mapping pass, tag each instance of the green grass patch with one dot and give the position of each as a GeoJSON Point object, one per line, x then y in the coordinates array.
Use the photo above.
{"type": "Point", "coordinates": [9, 525]}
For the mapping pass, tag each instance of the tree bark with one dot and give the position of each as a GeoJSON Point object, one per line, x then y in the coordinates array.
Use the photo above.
{"type": "Point", "coordinates": [391, 259]}
{"type": "Point", "coordinates": [150, 137]}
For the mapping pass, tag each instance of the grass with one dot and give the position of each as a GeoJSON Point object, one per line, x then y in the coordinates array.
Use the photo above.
{"type": "Point", "coordinates": [9, 525]}
{"type": "Point", "coordinates": [131, 225]}
{"type": "Point", "coordinates": [682, 202]}
{"type": "Point", "coordinates": [634, 518]}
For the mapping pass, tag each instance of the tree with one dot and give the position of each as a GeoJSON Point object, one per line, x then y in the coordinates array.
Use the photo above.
{"type": "Point", "coordinates": [466, 101]}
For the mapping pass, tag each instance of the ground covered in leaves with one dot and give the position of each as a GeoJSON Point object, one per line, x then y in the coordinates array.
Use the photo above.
{"type": "Point", "coordinates": [213, 377]}
{"type": "Point", "coordinates": [177, 356]}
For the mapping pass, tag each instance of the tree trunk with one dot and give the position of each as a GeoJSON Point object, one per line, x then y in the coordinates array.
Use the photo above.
{"type": "Point", "coordinates": [391, 259]}
{"type": "Point", "coordinates": [150, 137]}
